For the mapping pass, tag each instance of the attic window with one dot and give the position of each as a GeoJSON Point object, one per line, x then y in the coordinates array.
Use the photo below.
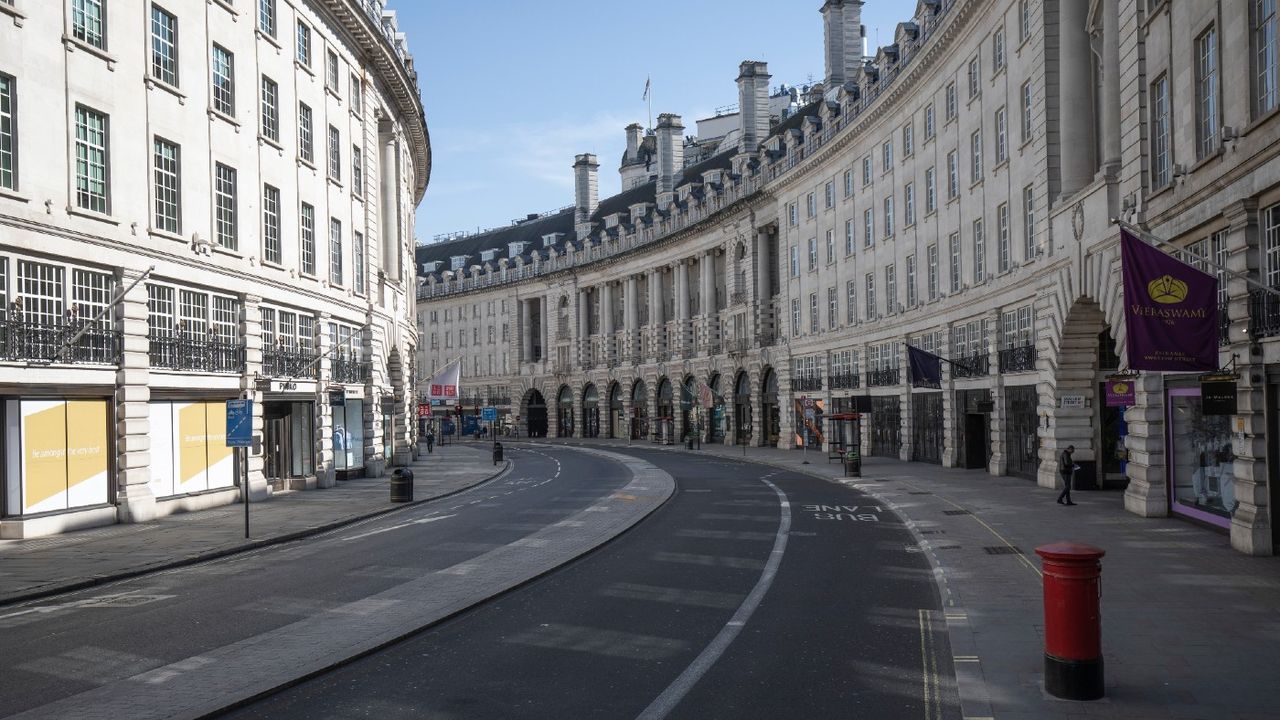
{"type": "Point", "coordinates": [457, 262]}
{"type": "Point", "coordinates": [551, 239]}
{"type": "Point", "coordinates": [487, 255]}
{"type": "Point", "coordinates": [515, 248]}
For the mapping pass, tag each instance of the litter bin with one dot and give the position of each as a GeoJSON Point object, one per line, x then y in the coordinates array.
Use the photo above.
{"type": "Point", "coordinates": [497, 453]}
{"type": "Point", "coordinates": [402, 485]}
{"type": "Point", "coordinates": [852, 464]}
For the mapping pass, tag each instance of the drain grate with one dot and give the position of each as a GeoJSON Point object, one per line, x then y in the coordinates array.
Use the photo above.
{"type": "Point", "coordinates": [933, 532]}
{"type": "Point", "coordinates": [955, 512]}
{"type": "Point", "coordinates": [947, 547]}
{"type": "Point", "coordinates": [919, 492]}
{"type": "Point", "coordinates": [1002, 550]}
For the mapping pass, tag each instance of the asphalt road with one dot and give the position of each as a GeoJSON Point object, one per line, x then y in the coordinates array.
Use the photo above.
{"type": "Point", "coordinates": [59, 647]}
{"type": "Point", "coordinates": [753, 593]}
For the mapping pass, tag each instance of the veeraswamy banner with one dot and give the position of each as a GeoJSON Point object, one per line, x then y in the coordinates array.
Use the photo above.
{"type": "Point", "coordinates": [444, 386]}
{"type": "Point", "coordinates": [1170, 311]}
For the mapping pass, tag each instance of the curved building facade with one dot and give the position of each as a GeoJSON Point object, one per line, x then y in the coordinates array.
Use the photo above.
{"type": "Point", "coordinates": [208, 201]}
{"type": "Point", "coordinates": [954, 192]}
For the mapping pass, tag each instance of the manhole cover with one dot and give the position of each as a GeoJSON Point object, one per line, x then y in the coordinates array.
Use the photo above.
{"type": "Point", "coordinates": [1002, 550]}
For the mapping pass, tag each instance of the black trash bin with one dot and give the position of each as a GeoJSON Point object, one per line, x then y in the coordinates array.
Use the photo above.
{"type": "Point", "coordinates": [402, 485]}
{"type": "Point", "coordinates": [497, 453]}
{"type": "Point", "coordinates": [853, 463]}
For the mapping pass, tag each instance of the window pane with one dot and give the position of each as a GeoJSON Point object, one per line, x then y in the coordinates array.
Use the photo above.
{"type": "Point", "coordinates": [225, 203]}
{"type": "Point", "coordinates": [91, 160]}
{"type": "Point", "coordinates": [223, 82]}
{"type": "Point", "coordinates": [308, 239]}
{"type": "Point", "coordinates": [8, 134]}
{"type": "Point", "coordinates": [271, 224]}
{"type": "Point", "coordinates": [167, 190]}
{"type": "Point", "coordinates": [87, 22]}
{"type": "Point", "coordinates": [164, 46]}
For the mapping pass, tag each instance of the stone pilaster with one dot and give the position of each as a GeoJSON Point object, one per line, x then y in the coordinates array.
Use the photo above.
{"type": "Point", "coordinates": [134, 500]}
{"type": "Point", "coordinates": [1147, 493]}
{"type": "Point", "coordinates": [950, 420]}
{"type": "Point", "coordinates": [325, 474]}
{"type": "Point", "coordinates": [907, 405]}
{"type": "Point", "coordinates": [999, 463]}
{"type": "Point", "coordinates": [251, 323]}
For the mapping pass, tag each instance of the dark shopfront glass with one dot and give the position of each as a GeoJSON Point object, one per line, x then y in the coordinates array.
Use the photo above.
{"type": "Point", "coordinates": [1022, 445]}
{"type": "Point", "coordinates": [348, 436]}
{"type": "Point", "coordinates": [886, 426]}
{"type": "Point", "coordinates": [926, 427]}
{"type": "Point", "coordinates": [1201, 459]}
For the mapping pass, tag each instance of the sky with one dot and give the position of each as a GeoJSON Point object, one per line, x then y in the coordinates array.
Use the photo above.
{"type": "Point", "coordinates": [514, 89]}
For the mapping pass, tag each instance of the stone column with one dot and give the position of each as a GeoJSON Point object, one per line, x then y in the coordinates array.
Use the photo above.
{"type": "Point", "coordinates": [584, 327]}
{"type": "Point", "coordinates": [526, 331]}
{"type": "Point", "coordinates": [763, 298]}
{"type": "Point", "coordinates": [544, 303]}
{"type": "Point", "coordinates": [606, 321]}
{"type": "Point", "coordinates": [682, 306]}
{"type": "Point", "coordinates": [1146, 494]}
{"type": "Point", "coordinates": [630, 317]}
{"type": "Point", "coordinates": [950, 417]}
{"type": "Point", "coordinates": [1075, 93]}
{"type": "Point", "coordinates": [1110, 102]}
{"type": "Point", "coordinates": [135, 503]}
{"type": "Point", "coordinates": [657, 320]}
{"type": "Point", "coordinates": [325, 474]}
{"type": "Point", "coordinates": [999, 463]}
{"type": "Point", "coordinates": [251, 324]}
{"type": "Point", "coordinates": [908, 406]}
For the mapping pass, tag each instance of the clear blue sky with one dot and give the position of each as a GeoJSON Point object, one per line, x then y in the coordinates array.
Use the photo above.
{"type": "Point", "coordinates": [514, 89]}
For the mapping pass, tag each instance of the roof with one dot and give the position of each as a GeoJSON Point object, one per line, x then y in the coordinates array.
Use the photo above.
{"type": "Point", "coordinates": [530, 231]}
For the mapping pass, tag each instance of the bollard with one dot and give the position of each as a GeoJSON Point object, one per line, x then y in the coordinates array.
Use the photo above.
{"type": "Point", "coordinates": [1072, 620]}
{"type": "Point", "coordinates": [402, 485]}
{"type": "Point", "coordinates": [497, 453]}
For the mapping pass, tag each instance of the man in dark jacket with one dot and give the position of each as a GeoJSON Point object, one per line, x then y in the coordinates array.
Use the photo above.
{"type": "Point", "coordinates": [1067, 467]}
{"type": "Point", "coordinates": [431, 440]}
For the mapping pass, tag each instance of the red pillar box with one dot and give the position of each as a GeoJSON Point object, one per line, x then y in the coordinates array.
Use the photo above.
{"type": "Point", "coordinates": [1072, 620]}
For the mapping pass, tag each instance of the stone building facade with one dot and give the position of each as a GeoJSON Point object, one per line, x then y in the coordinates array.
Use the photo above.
{"type": "Point", "coordinates": [957, 191]}
{"type": "Point", "coordinates": [210, 200]}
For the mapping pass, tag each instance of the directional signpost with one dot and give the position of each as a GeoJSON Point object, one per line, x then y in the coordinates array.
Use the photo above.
{"type": "Point", "coordinates": [240, 435]}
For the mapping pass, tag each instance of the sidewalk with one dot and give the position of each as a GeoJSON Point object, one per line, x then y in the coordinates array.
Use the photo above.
{"type": "Point", "coordinates": [43, 566]}
{"type": "Point", "coordinates": [1191, 628]}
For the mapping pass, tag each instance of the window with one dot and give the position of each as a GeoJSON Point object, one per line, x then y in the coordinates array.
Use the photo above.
{"type": "Point", "coordinates": [224, 196]}
{"type": "Point", "coordinates": [8, 133]}
{"type": "Point", "coordinates": [909, 195]}
{"type": "Point", "coordinates": [1002, 237]}
{"type": "Point", "coordinates": [357, 267]}
{"type": "Point", "coordinates": [1207, 120]}
{"type": "Point", "coordinates": [271, 224]}
{"type": "Point", "coordinates": [795, 316]}
{"type": "Point", "coordinates": [891, 288]}
{"type": "Point", "coordinates": [813, 312]}
{"type": "Point", "coordinates": [831, 246]}
{"type": "Point", "coordinates": [1024, 20]}
{"type": "Point", "coordinates": [1026, 111]}
{"type": "Point", "coordinates": [813, 254]}
{"type": "Point", "coordinates": [304, 44]}
{"type": "Point", "coordinates": [930, 191]}
{"type": "Point", "coordinates": [851, 301]}
{"type": "Point", "coordinates": [848, 183]}
{"type": "Point", "coordinates": [331, 71]}
{"type": "Point", "coordinates": [866, 171]}
{"type": "Point", "coordinates": [870, 285]}
{"type": "Point", "coordinates": [164, 46]}
{"type": "Point", "coordinates": [997, 51]}
{"type": "Point", "coordinates": [795, 261]}
{"type": "Point", "coordinates": [335, 154]}
{"type": "Point", "coordinates": [1161, 171]}
{"type": "Point", "coordinates": [975, 78]}
{"type": "Point", "coordinates": [868, 228]}
{"type": "Point", "coordinates": [793, 213]}
{"type": "Point", "coordinates": [270, 109]}
{"type": "Point", "coordinates": [92, 170]}
{"type": "Point", "coordinates": [908, 141]}
{"type": "Point", "coordinates": [357, 89]}
{"type": "Point", "coordinates": [88, 23]}
{"type": "Point", "coordinates": [931, 258]}
{"type": "Point", "coordinates": [849, 235]}
{"type": "Point", "coordinates": [1029, 221]}
{"type": "Point", "coordinates": [1269, 219]}
{"type": "Point", "coordinates": [306, 143]}
{"type": "Point", "coordinates": [912, 298]}
{"type": "Point", "coordinates": [975, 156]}
{"type": "Point", "coordinates": [979, 253]}
{"type": "Point", "coordinates": [953, 176]}
{"type": "Point", "coordinates": [888, 217]}
{"type": "Point", "coordinates": [928, 123]}
{"type": "Point", "coordinates": [308, 223]}
{"type": "Point", "coordinates": [267, 17]}
{"type": "Point", "coordinates": [833, 308]}
{"type": "Point", "coordinates": [1002, 137]}
{"type": "Point", "coordinates": [335, 251]}
{"type": "Point", "coordinates": [1266, 70]}
{"type": "Point", "coordinates": [357, 170]}
{"type": "Point", "coordinates": [886, 152]}
{"type": "Point", "coordinates": [810, 205]}
{"type": "Point", "coordinates": [830, 194]}
{"type": "Point", "coordinates": [956, 266]}
{"type": "Point", "coordinates": [168, 189]}
{"type": "Point", "coordinates": [224, 86]}
{"type": "Point", "coordinates": [951, 101]}
{"type": "Point", "coordinates": [1015, 328]}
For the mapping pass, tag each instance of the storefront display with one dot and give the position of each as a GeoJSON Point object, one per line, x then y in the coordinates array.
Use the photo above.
{"type": "Point", "coordinates": [1201, 460]}
{"type": "Point", "coordinates": [348, 436]}
{"type": "Point", "coordinates": [926, 427]}
{"type": "Point", "coordinates": [1021, 423]}
{"type": "Point", "coordinates": [63, 456]}
{"type": "Point", "coordinates": [288, 445]}
{"type": "Point", "coordinates": [189, 452]}
{"type": "Point", "coordinates": [886, 426]}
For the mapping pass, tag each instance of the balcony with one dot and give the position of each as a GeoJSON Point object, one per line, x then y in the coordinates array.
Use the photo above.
{"type": "Point", "coordinates": [738, 346]}
{"type": "Point", "coordinates": [1018, 359]}
{"type": "Point", "coordinates": [23, 340]}
{"type": "Point", "coordinates": [844, 381]}
{"type": "Point", "coordinates": [886, 377]}
{"type": "Point", "coordinates": [1264, 314]}
{"type": "Point", "coordinates": [738, 297]}
{"type": "Point", "coordinates": [806, 384]}
{"type": "Point", "coordinates": [971, 366]}
{"type": "Point", "coordinates": [349, 370]}
{"type": "Point", "coordinates": [210, 354]}
{"type": "Point", "coordinates": [283, 362]}
{"type": "Point", "coordinates": [562, 334]}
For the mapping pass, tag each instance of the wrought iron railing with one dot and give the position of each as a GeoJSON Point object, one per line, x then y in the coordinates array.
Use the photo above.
{"type": "Point", "coordinates": [806, 383]}
{"type": "Point", "coordinates": [1264, 314]}
{"type": "Point", "coordinates": [737, 297]}
{"type": "Point", "coordinates": [23, 340]}
{"type": "Point", "coordinates": [844, 381]}
{"type": "Point", "coordinates": [290, 363]}
{"type": "Point", "coordinates": [1224, 327]}
{"type": "Point", "coordinates": [884, 377]}
{"type": "Point", "coordinates": [737, 346]}
{"type": "Point", "coordinates": [349, 370]}
{"type": "Point", "coordinates": [971, 366]}
{"type": "Point", "coordinates": [210, 354]}
{"type": "Point", "coordinates": [1018, 359]}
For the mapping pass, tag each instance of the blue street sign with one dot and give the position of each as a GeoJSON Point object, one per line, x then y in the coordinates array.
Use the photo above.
{"type": "Point", "coordinates": [489, 414]}
{"type": "Point", "coordinates": [239, 423]}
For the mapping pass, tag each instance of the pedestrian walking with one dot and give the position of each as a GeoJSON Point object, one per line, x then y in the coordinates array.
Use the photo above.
{"type": "Point", "coordinates": [431, 440]}
{"type": "Point", "coordinates": [1067, 467]}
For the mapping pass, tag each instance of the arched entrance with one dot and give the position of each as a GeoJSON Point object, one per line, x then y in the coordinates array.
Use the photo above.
{"type": "Point", "coordinates": [771, 420]}
{"type": "Point", "coordinates": [615, 411]}
{"type": "Point", "coordinates": [564, 412]}
{"type": "Point", "coordinates": [666, 413]}
{"type": "Point", "coordinates": [690, 412]}
{"type": "Point", "coordinates": [590, 412]}
{"type": "Point", "coordinates": [715, 415]}
{"type": "Point", "coordinates": [742, 409]}
{"type": "Point", "coordinates": [535, 412]}
{"type": "Point", "coordinates": [639, 410]}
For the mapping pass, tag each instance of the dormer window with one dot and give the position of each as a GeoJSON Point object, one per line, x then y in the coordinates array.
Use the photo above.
{"type": "Point", "coordinates": [488, 255]}
{"type": "Point", "coordinates": [550, 239]}
{"type": "Point", "coordinates": [458, 262]}
{"type": "Point", "coordinates": [515, 249]}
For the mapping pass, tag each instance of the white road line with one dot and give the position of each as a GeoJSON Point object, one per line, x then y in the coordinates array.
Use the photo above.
{"type": "Point", "coordinates": [662, 706]}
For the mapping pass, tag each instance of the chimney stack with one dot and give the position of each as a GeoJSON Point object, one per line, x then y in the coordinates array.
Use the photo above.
{"type": "Point", "coordinates": [670, 156]}
{"type": "Point", "coordinates": [842, 33]}
{"type": "Point", "coordinates": [586, 188]}
{"type": "Point", "coordinates": [753, 104]}
{"type": "Point", "coordinates": [634, 131]}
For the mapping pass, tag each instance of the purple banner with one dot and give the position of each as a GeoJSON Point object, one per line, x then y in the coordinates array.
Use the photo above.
{"type": "Point", "coordinates": [1120, 393]}
{"type": "Point", "coordinates": [1170, 311]}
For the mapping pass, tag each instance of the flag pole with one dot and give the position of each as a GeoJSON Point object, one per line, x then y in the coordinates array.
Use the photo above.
{"type": "Point", "coordinates": [1153, 240]}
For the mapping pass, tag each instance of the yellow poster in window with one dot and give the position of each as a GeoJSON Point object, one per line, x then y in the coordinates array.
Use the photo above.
{"type": "Point", "coordinates": [193, 460]}
{"type": "Point", "coordinates": [44, 455]}
{"type": "Point", "coordinates": [88, 452]}
{"type": "Point", "coordinates": [221, 464]}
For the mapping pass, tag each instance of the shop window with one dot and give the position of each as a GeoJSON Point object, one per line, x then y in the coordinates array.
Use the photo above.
{"type": "Point", "coordinates": [57, 468]}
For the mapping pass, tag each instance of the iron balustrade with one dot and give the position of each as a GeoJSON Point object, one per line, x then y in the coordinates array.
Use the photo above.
{"type": "Point", "coordinates": [348, 370]}
{"type": "Point", "coordinates": [806, 383]}
{"type": "Point", "coordinates": [26, 340]}
{"type": "Point", "coordinates": [738, 346]}
{"type": "Point", "coordinates": [207, 354]}
{"type": "Point", "coordinates": [1224, 327]}
{"type": "Point", "coordinates": [884, 377]}
{"type": "Point", "coordinates": [1018, 359]}
{"type": "Point", "coordinates": [1264, 314]}
{"type": "Point", "coordinates": [290, 363]}
{"type": "Point", "coordinates": [844, 381]}
{"type": "Point", "coordinates": [971, 366]}
{"type": "Point", "coordinates": [738, 297]}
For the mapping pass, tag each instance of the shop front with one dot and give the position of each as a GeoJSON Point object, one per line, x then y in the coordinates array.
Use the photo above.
{"type": "Point", "coordinates": [617, 414]}
{"type": "Point", "coordinates": [189, 453]}
{"type": "Point", "coordinates": [590, 412]}
{"type": "Point", "coordinates": [639, 411]}
{"type": "Point", "coordinates": [1201, 468]}
{"type": "Point", "coordinates": [288, 442]}
{"type": "Point", "coordinates": [886, 426]}
{"type": "Point", "coordinates": [808, 414]}
{"type": "Point", "coordinates": [926, 427]}
{"type": "Point", "coordinates": [665, 429]}
{"type": "Point", "coordinates": [973, 428]}
{"type": "Point", "coordinates": [1022, 444]}
{"type": "Point", "coordinates": [742, 410]}
{"type": "Point", "coordinates": [57, 460]}
{"type": "Point", "coordinates": [347, 405]}
{"type": "Point", "coordinates": [564, 412]}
